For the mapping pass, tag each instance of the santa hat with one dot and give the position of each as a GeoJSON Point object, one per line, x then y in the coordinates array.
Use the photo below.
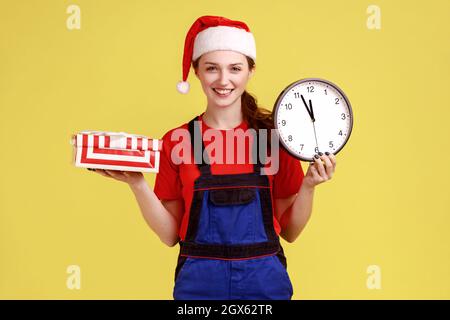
{"type": "Point", "coordinates": [210, 33]}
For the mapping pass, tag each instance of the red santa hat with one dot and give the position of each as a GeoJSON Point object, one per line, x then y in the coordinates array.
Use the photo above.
{"type": "Point", "coordinates": [210, 33]}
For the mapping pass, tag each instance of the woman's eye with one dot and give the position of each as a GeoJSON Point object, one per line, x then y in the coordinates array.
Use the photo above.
{"type": "Point", "coordinates": [234, 68]}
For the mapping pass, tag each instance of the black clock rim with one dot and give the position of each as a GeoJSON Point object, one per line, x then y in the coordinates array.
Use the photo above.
{"type": "Point", "coordinates": [286, 90]}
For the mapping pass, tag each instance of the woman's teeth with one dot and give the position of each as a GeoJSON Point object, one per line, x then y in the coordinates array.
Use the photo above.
{"type": "Point", "coordinates": [223, 92]}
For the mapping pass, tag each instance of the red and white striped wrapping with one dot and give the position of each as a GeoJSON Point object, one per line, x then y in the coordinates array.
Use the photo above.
{"type": "Point", "coordinates": [116, 151]}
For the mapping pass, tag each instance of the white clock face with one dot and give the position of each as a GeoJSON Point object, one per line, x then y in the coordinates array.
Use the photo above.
{"type": "Point", "coordinates": [313, 115]}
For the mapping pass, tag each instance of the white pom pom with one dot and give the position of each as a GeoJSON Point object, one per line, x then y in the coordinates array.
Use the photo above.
{"type": "Point", "coordinates": [183, 87]}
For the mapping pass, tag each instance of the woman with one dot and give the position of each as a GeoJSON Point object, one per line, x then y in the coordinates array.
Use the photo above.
{"type": "Point", "coordinates": [226, 217]}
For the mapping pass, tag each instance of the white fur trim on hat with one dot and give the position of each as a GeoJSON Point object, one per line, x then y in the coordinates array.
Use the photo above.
{"type": "Point", "coordinates": [224, 38]}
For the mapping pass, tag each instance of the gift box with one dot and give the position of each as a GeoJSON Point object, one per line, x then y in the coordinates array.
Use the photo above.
{"type": "Point", "coordinates": [116, 151]}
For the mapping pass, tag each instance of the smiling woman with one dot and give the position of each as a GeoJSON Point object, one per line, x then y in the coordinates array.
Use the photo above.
{"type": "Point", "coordinates": [213, 68]}
{"type": "Point", "coordinates": [229, 229]}
{"type": "Point", "coordinates": [227, 217]}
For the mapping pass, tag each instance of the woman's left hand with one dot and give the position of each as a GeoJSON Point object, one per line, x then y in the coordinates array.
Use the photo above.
{"type": "Point", "coordinates": [319, 171]}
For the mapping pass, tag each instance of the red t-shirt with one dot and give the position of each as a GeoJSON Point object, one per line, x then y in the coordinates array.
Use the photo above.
{"type": "Point", "coordinates": [176, 181]}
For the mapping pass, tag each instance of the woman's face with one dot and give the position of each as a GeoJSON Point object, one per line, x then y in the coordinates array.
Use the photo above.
{"type": "Point", "coordinates": [224, 76]}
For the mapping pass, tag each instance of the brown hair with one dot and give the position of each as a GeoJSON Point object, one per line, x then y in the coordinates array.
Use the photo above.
{"type": "Point", "coordinates": [256, 117]}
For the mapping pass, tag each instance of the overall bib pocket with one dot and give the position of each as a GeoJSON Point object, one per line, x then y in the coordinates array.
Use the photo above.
{"type": "Point", "coordinates": [225, 197]}
{"type": "Point", "coordinates": [230, 215]}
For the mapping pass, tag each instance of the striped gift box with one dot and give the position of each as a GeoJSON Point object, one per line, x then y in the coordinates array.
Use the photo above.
{"type": "Point", "coordinates": [116, 151]}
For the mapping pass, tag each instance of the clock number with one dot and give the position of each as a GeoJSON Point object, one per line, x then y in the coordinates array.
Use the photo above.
{"type": "Point", "coordinates": [316, 149]}
{"type": "Point", "coordinates": [343, 116]}
{"type": "Point", "coordinates": [289, 137]}
{"type": "Point", "coordinates": [325, 91]}
{"type": "Point", "coordinates": [336, 101]}
{"type": "Point", "coordinates": [310, 88]}
{"type": "Point", "coordinates": [302, 145]}
{"type": "Point", "coordinates": [289, 106]}
{"type": "Point", "coordinates": [331, 144]}
{"type": "Point", "coordinates": [296, 95]}
{"type": "Point", "coordinates": [283, 122]}
{"type": "Point", "coordinates": [340, 132]}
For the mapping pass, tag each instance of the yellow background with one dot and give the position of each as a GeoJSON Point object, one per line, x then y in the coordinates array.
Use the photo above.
{"type": "Point", "coordinates": [387, 204]}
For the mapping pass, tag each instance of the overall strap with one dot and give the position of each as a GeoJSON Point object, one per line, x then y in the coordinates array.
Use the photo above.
{"type": "Point", "coordinates": [199, 148]}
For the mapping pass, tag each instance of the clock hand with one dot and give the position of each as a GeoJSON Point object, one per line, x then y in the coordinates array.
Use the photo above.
{"type": "Point", "coordinates": [315, 136]}
{"type": "Point", "coordinates": [312, 111]}
{"type": "Point", "coordinates": [313, 120]}
{"type": "Point", "coordinates": [311, 114]}
{"type": "Point", "coordinates": [307, 108]}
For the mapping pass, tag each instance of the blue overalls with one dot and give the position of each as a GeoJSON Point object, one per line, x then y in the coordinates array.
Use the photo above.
{"type": "Point", "coordinates": [231, 249]}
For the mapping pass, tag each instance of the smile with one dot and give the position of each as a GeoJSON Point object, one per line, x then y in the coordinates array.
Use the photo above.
{"type": "Point", "coordinates": [223, 92]}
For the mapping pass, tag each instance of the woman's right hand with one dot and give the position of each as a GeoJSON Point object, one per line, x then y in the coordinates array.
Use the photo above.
{"type": "Point", "coordinates": [130, 177]}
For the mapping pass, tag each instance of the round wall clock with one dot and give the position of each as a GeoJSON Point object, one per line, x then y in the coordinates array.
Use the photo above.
{"type": "Point", "coordinates": [312, 115]}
